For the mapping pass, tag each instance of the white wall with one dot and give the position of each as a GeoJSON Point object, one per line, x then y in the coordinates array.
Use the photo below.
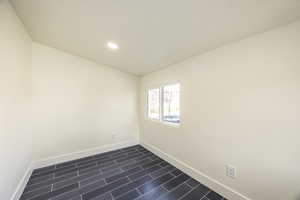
{"type": "Point", "coordinates": [53, 103]}
{"type": "Point", "coordinates": [15, 92]}
{"type": "Point", "coordinates": [240, 105]}
{"type": "Point", "coordinates": [79, 104]}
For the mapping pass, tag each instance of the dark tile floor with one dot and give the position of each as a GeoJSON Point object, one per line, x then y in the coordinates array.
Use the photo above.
{"type": "Point", "coordinates": [125, 174]}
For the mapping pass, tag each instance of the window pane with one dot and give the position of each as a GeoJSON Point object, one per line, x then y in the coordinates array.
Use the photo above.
{"type": "Point", "coordinates": [153, 103]}
{"type": "Point", "coordinates": [171, 103]}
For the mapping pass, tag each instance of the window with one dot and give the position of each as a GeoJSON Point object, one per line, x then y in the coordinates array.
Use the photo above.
{"type": "Point", "coordinates": [154, 103]}
{"type": "Point", "coordinates": [171, 103]}
{"type": "Point", "coordinates": [164, 104]}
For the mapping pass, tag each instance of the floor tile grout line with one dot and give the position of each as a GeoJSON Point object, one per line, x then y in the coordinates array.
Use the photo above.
{"type": "Point", "coordinates": [55, 170]}
{"type": "Point", "coordinates": [109, 190]}
{"type": "Point", "coordinates": [61, 194]}
{"type": "Point", "coordinates": [93, 168]}
{"type": "Point", "coordinates": [82, 188]}
{"type": "Point", "coordinates": [137, 164]}
{"type": "Point", "coordinates": [132, 162]}
{"type": "Point", "coordinates": [125, 193]}
{"type": "Point", "coordinates": [74, 178]}
{"type": "Point", "coordinates": [116, 163]}
{"type": "Point", "coordinates": [62, 180]}
{"type": "Point", "coordinates": [206, 195]}
{"type": "Point", "coordinates": [162, 185]}
{"type": "Point", "coordinates": [105, 181]}
{"type": "Point", "coordinates": [127, 183]}
{"type": "Point", "coordinates": [185, 182]}
{"type": "Point", "coordinates": [153, 179]}
{"type": "Point", "coordinates": [129, 179]}
{"type": "Point", "coordinates": [119, 178]}
{"type": "Point", "coordinates": [139, 172]}
{"type": "Point", "coordinates": [49, 192]}
{"type": "Point", "coordinates": [111, 195]}
{"type": "Point", "coordinates": [95, 180]}
{"type": "Point", "coordinates": [45, 185]}
{"type": "Point", "coordinates": [93, 189]}
{"type": "Point", "coordinates": [54, 178]}
{"type": "Point", "coordinates": [192, 189]}
{"type": "Point", "coordinates": [52, 185]}
{"type": "Point", "coordinates": [35, 195]}
{"type": "Point", "coordinates": [171, 180]}
{"type": "Point", "coordinates": [169, 191]}
{"type": "Point", "coordinates": [141, 194]}
{"type": "Point", "coordinates": [76, 161]}
{"type": "Point", "coordinates": [26, 192]}
{"type": "Point", "coordinates": [99, 159]}
{"type": "Point", "coordinates": [78, 176]}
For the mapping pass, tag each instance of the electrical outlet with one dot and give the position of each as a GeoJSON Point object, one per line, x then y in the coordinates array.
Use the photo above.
{"type": "Point", "coordinates": [231, 171]}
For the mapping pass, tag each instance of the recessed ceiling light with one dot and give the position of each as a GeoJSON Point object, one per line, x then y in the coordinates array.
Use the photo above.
{"type": "Point", "coordinates": [112, 45]}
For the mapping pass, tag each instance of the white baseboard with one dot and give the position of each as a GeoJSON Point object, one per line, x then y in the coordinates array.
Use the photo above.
{"type": "Point", "coordinates": [21, 186]}
{"type": "Point", "coordinates": [218, 187]}
{"type": "Point", "coordinates": [222, 189]}
{"type": "Point", "coordinates": [64, 158]}
{"type": "Point", "coordinates": [81, 154]}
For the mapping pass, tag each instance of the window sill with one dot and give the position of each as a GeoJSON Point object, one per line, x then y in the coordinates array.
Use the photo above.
{"type": "Point", "coordinates": [175, 125]}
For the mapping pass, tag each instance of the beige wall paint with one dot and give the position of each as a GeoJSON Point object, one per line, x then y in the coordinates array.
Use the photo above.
{"type": "Point", "coordinates": [78, 104]}
{"type": "Point", "coordinates": [240, 106]}
{"type": "Point", "coordinates": [15, 97]}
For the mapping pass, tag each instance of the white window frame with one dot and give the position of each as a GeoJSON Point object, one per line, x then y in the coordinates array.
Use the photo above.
{"type": "Point", "coordinates": [159, 112]}
{"type": "Point", "coordinates": [162, 104]}
{"type": "Point", "coordinates": [161, 100]}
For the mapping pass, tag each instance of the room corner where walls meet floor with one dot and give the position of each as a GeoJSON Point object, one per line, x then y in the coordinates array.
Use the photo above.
{"type": "Point", "coordinates": [65, 158]}
{"type": "Point", "coordinates": [124, 174]}
{"type": "Point", "coordinates": [81, 156]}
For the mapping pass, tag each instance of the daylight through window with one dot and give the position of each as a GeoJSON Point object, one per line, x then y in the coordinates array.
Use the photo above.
{"type": "Point", "coordinates": [171, 103]}
{"type": "Point", "coordinates": [164, 103]}
{"type": "Point", "coordinates": [153, 103]}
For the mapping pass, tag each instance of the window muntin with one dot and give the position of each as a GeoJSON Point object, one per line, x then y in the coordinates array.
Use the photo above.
{"type": "Point", "coordinates": [171, 104]}
{"type": "Point", "coordinates": [154, 103]}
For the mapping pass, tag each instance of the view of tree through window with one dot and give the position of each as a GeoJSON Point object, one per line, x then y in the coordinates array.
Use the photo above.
{"type": "Point", "coordinates": [171, 103]}
{"type": "Point", "coordinates": [153, 103]}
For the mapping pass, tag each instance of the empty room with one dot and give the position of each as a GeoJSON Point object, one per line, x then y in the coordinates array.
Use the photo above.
{"type": "Point", "coordinates": [149, 99]}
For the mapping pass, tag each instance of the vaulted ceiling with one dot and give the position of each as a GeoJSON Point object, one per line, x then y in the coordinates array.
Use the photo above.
{"type": "Point", "coordinates": [151, 34]}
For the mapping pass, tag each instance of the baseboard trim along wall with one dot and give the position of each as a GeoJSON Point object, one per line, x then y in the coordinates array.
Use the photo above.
{"type": "Point", "coordinates": [218, 187]}
{"type": "Point", "coordinates": [81, 154]}
{"type": "Point", "coordinates": [21, 186]}
{"type": "Point", "coordinates": [67, 157]}
{"type": "Point", "coordinates": [222, 189]}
